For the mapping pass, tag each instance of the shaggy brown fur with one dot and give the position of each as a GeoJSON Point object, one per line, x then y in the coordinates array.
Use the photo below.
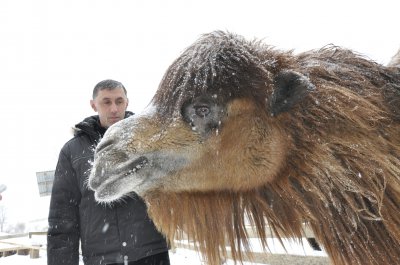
{"type": "Point", "coordinates": [312, 138]}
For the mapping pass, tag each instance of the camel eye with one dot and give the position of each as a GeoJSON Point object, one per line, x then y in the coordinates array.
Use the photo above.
{"type": "Point", "coordinates": [202, 111]}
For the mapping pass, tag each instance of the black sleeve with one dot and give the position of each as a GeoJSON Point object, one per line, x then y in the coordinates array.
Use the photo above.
{"type": "Point", "coordinates": [63, 233]}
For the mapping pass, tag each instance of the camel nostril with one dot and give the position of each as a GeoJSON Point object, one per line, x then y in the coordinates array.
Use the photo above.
{"type": "Point", "coordinates": [103, 145]}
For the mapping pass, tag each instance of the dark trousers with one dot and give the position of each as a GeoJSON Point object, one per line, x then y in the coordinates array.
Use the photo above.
{"type": "Point", "coordinates": [158, 259]}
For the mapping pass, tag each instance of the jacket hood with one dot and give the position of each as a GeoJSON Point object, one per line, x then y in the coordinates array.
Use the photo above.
{"type": "Point", "coordinates": [91, 126]}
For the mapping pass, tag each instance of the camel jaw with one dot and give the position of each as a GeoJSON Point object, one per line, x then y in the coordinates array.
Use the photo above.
{"type": "Point", "coordinates": [107, 181]}
{"type": "Point", "coordinates": [138, 174]}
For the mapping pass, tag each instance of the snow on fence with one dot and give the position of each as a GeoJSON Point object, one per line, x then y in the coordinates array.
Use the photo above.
{"type": "Point", "coordinates": [22, 244]}
{"type": "Point", "coordinates": [298, 253]}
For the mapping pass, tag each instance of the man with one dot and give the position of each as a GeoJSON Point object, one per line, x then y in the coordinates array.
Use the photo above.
{"type": "Point", "coordinates": [121, 233]}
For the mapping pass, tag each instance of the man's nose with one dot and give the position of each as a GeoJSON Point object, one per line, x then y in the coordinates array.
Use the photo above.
{"type": "Point", "coordinates": [114, 107]}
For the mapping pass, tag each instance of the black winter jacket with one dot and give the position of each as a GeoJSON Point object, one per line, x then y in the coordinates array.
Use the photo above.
{"type": "Point", "coordinates": [107, 234]}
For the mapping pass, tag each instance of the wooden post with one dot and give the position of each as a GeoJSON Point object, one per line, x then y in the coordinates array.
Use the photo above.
{"type": "Point", "coordinates": [34, 253]}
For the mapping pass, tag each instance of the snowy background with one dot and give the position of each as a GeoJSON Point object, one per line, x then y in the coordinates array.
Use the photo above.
{"type": "Point", "coordinates": [178, 256]}
{"type": "Point", "coordinates": [52, 53]}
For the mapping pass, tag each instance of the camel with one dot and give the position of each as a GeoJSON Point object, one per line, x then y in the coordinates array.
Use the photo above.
{"type": "Point", "coordinates": [241, 131]}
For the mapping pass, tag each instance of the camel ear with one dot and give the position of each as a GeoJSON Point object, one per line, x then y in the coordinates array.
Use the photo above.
{"type": "Point", "coordinates": [290, 88]}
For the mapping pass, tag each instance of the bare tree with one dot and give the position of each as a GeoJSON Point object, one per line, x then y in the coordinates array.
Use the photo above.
{"type": "Point", "coordinates": [19, 228]}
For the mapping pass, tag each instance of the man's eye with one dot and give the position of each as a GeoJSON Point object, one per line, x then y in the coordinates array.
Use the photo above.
{"type": "Point", "coordinates": [202, 111]}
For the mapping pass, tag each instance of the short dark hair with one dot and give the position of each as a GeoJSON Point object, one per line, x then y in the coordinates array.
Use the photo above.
{"type": "Point", "coordinates": [108, 84]}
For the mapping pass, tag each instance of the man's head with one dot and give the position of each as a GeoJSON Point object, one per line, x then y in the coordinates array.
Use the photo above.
{"type": "Point", "coordinates": [110, 101]}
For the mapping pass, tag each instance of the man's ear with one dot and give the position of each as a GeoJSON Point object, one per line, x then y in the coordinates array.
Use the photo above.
{"type": "Point", "coordinates": [290, 88]}
{"type": "Point", "coordinates": [93, 105]}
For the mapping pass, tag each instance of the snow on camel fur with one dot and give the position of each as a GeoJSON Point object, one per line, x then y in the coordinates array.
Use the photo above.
{"type": "Point", "coordinates": [395, 61]}
{"type": "Point", "coordinates": [240, 131]}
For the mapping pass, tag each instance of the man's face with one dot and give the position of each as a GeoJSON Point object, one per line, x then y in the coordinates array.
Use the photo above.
{"type": "Point", "coordinates": [110, 105]}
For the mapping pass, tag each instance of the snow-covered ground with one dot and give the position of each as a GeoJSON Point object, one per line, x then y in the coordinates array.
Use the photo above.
{"type": "Point", "coordinates": [180, 256]}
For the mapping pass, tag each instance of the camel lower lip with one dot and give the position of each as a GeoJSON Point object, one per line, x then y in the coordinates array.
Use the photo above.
{"type": "Point", "coordinates": [105, 194]}
{"type": "Point", "coordinates": [129, 168]}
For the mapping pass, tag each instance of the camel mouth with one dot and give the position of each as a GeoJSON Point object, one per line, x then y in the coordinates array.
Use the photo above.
{"type": "Point", "coordinates": [135, 166]}
{"type": "Point", "coordinates": [109, 190]}
{"type": "Point", "coordinates": [111, 182]}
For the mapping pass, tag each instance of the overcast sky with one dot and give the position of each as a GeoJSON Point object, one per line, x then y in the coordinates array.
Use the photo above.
{"type": "Point", "coordinates": [53, 52]}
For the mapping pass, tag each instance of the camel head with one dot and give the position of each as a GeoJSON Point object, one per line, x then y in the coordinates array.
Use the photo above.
{"type": "Point", "coordinates": [241, 132]}
{"type": "Point", "coordinates": [214, 125]}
